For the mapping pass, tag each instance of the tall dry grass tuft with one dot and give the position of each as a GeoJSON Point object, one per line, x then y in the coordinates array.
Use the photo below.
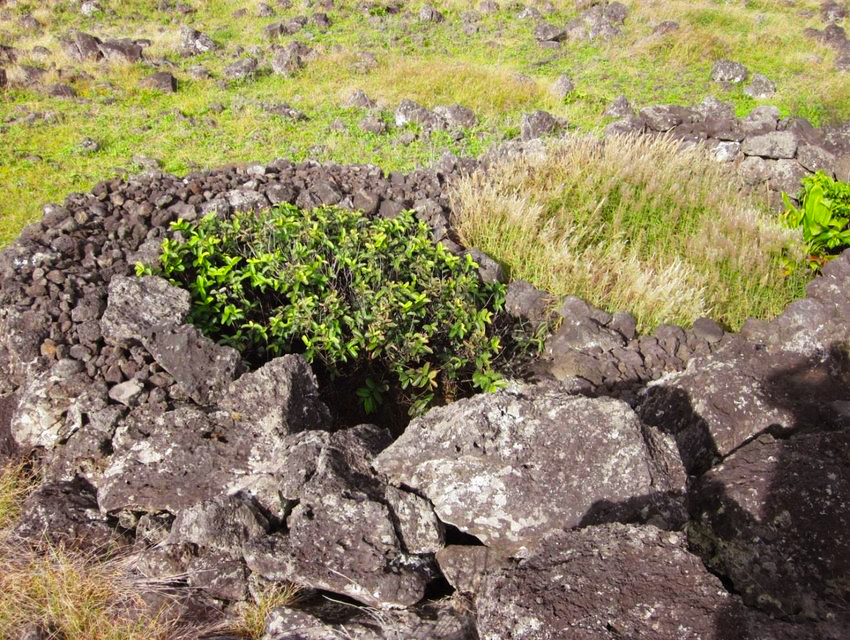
{"type": "Point", "coordinates": [70, 594]}
{"type": "Point", "coordinates": [632, 223]}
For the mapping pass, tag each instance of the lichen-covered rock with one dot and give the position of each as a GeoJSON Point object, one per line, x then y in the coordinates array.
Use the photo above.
{"type": "Point", "coordinates": [201, 367]}
{"type": "Point", "coordinates": [418, 527]}
{"type": "Point", "coordinates": [723, 400]}
{"type": "Point", "coordinates": [170, 460]}
{"type": "Point", "coordinates": [216, 530]}
{"type": "Point", "coordinates": [341, 535]}
{"type": "Point", "coordinates": [281, 397]}
{"type": "Point", "coordinates": [136, 306]}
{"type": "Point", "coordinates": [508, 467]}
{"type": "Point", "coordinates": [775, 519]}
{"type": "Point", "coordinates": [776, 144]}
{"type": "Point", "coordinates": [51, 407]}
{"type": "Point", "coordinates": [611, 581]}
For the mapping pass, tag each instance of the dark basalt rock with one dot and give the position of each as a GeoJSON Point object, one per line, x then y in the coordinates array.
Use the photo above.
{"type": "Point", "coordinates": [504, 467]}
{"type": "Point", "coordinates": [774, 518]}
{"type": "Point", "coordinates": [611, 581]}
{"type": "Point", "coordinates": [67, 513]}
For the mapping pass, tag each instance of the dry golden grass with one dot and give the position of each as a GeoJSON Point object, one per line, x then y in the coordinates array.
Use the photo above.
{"type": "Point", "coordinates": [76, 595]}
{"type": "Point", "coordinates": [69, 594]}
{"type": "Point", "coordinates": [632, 223]}
{"type": "Point", "coordinates": [252, 615]}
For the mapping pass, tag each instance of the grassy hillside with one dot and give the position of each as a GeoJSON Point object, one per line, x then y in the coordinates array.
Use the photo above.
{"type": "Point", "coordinates": [489, 62]}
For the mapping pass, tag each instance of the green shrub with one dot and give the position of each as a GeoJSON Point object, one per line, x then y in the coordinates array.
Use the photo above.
{"type": "Point", "coordinates": [371, 298]}
{"type": "Point", "coordinates": [824, 217]}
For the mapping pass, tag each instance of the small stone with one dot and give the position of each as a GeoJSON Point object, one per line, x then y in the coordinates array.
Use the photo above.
{"type": "Point", "coordinates": [430, 14]}
{"type": "Point", "coordinates": [760, 88]}
{"type": "Point", "coordinates": [161, 80]}
{"type": "Point", "coordinates": [563, 86]}
{"type": "Point", "coordinates": [729, 72]}
{"type": "Point", "coordinates": [125, 392]}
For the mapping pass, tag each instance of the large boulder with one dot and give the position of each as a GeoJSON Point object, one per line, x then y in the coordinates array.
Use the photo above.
{"type": "Point", "coordinates": [724, 400]}
{"type": "Point", "coordinates": [775, 519]}
{"type": "Point", "coordinates": [511, 466]}
{"type": "Point", "coordinates": [611, 581]}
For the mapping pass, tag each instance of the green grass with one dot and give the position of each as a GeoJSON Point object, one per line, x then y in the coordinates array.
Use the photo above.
{"type": "Point", "coordinates": [632, 224]}
{"type": "Point", "coordinates": [500, 72]}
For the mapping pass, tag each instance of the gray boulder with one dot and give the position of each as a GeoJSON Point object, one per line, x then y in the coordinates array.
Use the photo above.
{"type": "Point", "coordinates": [193, 42]}
{"type": "Point", "coordinates": [136, 306]}
{"type": "Point", "coordinates": [776, 144]}
{"type": "Point", "coordinates": [51, 407]}
{"type": "Point", "coordinates": [760, 120]}
{"type": "Point", "coordinates": [241, 69]}
{"type": "Point", "coordinates": [123, 50]}
{"type": "Point", "coordinates": [511, 466]}
{"type": "Point", "coordinates": [82, 46]}
{"type": "Point", "coordinates": [409, 112]}
{"type": "Point", "coordinates": [540, 123]}
{"type": "Point", "coordinates": [741, 391]}
{"type": "Point", "coordinates": [729, 72]}
{"type": "Point", "coordinates": [216, 530]}
{"type": "Point", "coordinates": [760, 87]}
{"type": "Point", "coordinates": [457, 116]}
{"type": "Point", "coordinates": [611, 581]}
{"type": "Point", "coordinates": [170, 460]}
{"type": "Point", "coordinates": [341, 535]}
{"type": "Point", "coordinates": [281, 397]}
{"type": "Point", "coordinates": [161, 80]}
{"type": "Point", "coordinates": [664, 117]}
{"type": "Point", "coordinates": [287, 61]}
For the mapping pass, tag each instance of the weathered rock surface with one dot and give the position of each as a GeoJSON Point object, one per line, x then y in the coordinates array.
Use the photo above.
{"type": "Point", "coordinates": [341, 535]}
{"type": "Point", "coordinates": [126, 318]}
{"type": "Point", "coordinates": [774, 518]}
{"type": "Point", "coordinates": [610, 581]}
{"type": "Point", "coordinates": [514, 465]}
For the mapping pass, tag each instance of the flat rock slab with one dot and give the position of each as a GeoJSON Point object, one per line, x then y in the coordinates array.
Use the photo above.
{"type": "Point", "coordinates": [510, 466]}
{"type": "Point", "coordinates": [172, 460]}
{"type": "Point", "coordinates": [775, 519]}
{"type": "Point", "coordinates": [611, 581]}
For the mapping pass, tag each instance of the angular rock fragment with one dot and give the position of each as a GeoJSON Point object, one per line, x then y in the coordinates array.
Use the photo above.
{"type": "Point", "coordinates": [203, 368]}
{"type": "Point", "coordinates": [136, 306]}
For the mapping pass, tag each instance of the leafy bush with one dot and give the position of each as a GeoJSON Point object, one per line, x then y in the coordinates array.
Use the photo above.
{"type": "Point", "coordinates": [371, 298]}
{"type": "Point", "coordinates": [824, 217]}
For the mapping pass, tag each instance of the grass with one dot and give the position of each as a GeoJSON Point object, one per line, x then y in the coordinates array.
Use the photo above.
{"type": "Point", "coordinates": [75, 595]}
{"type": "Point", "coordinates": [633, 224]}
{"type": "Point", "coordinates": [499, 71]}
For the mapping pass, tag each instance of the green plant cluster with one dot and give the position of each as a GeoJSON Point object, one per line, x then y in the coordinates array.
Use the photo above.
{"type": "Point", "coordinates": [372, 298]}
{"type": "Point", "coordinates": [823, 216]}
